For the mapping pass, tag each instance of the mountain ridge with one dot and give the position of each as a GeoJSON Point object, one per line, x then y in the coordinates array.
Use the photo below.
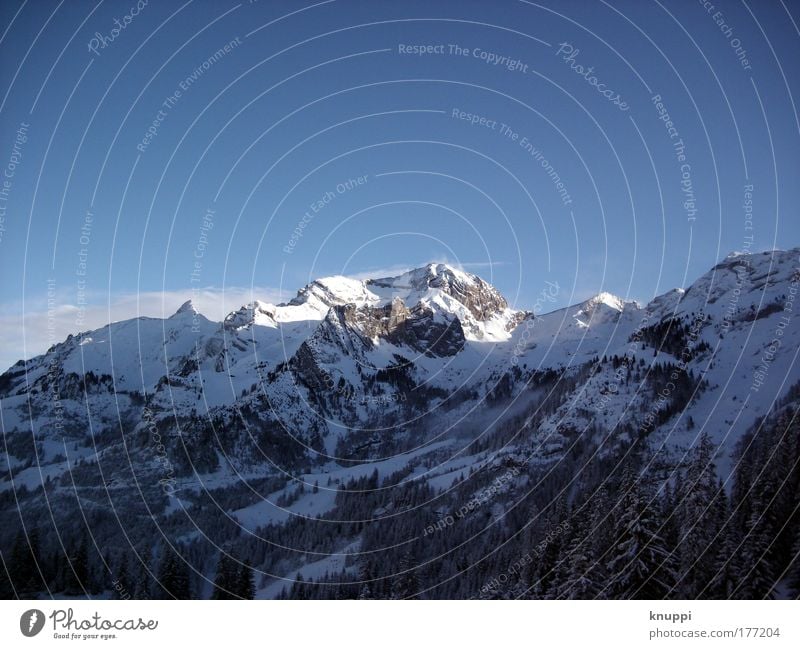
{"type": "Point", "coordinates": [453, 331]}
{"type": "Point", "coordinates": [417, 383]}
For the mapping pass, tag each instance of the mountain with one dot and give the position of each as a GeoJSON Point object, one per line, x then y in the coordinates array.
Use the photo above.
{"type": "Point", "coordinates": [427, 378]}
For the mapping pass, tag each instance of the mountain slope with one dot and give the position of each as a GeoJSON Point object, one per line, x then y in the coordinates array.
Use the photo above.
{"type": "Point", "coordinates": [428, 376]}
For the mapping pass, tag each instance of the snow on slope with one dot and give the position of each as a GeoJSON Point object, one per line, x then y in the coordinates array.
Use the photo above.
{"type": "Point", "coordinates": [320, 368]}
{"type": "Point", "coordinates": [743, 339]}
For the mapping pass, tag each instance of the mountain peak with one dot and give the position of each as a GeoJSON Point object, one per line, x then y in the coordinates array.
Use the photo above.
{"type": "Point", "coordinates": [431, 274]}
{"type": "Point", "coordinates": [435, 286]}
{"type": "Point", "coordinates": [606, 299]}
{"type": "Point", "coordinates": [186, 307]}
{"type": "Point", "coordinates": [436, 269]}
{"type": "Point", "coordinates": [335, 290]}
{"type": "Point", "coordinates": [603, 307]}
{"type": "Point", "coordinates": [258, 312]}
{"type": "Point", "coordinates": [478, 296]}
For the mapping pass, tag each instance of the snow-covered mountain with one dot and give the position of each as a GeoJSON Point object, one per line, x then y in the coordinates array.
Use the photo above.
{"type": "Point", "coordinates": [347, 356]}
{"type": "Point", "coordinates": [395, 374]}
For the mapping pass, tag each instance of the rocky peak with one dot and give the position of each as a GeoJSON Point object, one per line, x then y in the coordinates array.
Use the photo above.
{"type": "Point", "coordinates": [603, 307]}
{"type": "Point", "coordinates": [256, 312]}
{"type": "Point", "coordinates": [332, 291]}
{"type": "Point", "coordinates": [186, 308]}
{"type": "Point", "coordinates": [479, 297]}
{"type": "Point", "coordinates": [423, 284]}
{"type": "Point", "coordinates": [353, 329]}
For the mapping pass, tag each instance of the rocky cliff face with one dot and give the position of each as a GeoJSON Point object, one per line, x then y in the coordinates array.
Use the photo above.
{"type": "Point", "coordinates": [481, 299]}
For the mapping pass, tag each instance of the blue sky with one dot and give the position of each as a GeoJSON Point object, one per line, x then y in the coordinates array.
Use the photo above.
{"type": "Point", "coordinates": [285, 105]}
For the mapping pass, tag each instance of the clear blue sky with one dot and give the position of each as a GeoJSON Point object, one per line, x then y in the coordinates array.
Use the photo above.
{"type": "Point", "coordinates": [324, 94]}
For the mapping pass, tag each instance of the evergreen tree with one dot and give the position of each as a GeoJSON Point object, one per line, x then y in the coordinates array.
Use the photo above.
{"type": "Point", "coordinates": [766, 484]}
{"type": "Point", "coordinates": [725, 559]}
{"type": "Point", "coordinates": [34, 582]}
{"type": "Point", "coordinates": [794, 566]}
{"type": "Point", "coordinates": [300, 589]}
{"type": "Point", "coordinates": [601, 528]}
{"type": "Point", "coordinates": [120, 586]}
{"type": "Point", "coordinates": [24, 565]}
{"type": "Point", "coordinates": [365, 577]}
{"type": "Point", "coordinates": [246, 587]}
{"type": "Point", "coordinates": [173, 576]}
{"type": "Point", "coordinates": [639, 562]}
{"type": "Point", "coordinates": [233, 580]}
{"type": "Point", "coordinates": [405, 584]}
{"type": "Point", "coordinates": [757, 579]}
{"type": "Point", "coordinates": [227, 578]}
{"type": "Point", "coordinates": [581, 569]}
{"type": "Point", "coordinates": [551, 567]}
{"type": "Point", "coordinates": [699, 521]}
{"type": "Point", "coordinates": [142, 583]}
{"type": "Point", "coordinates": [77, 571]}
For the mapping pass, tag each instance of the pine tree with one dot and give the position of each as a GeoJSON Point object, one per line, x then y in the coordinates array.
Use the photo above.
{"type": "Point", "coordinates": [668, 509]}
{"type": "Point", "coordinates": [24, 565]}
{"type": "Point", "coordinates": [639, 562]}
{"type": "Point", "coordinates": [34, 582]}
{"type": "Point", "coordinates": [726, 564]}
{"type": "Point", "coordinates": [246, 587]}
{"type": "Point", "coordinates": [794, 566]}
{"type": "Point", "coordinates": [226, 578]}
{"type": "Point", "coordinates": [233, 580]}
{"type": "Point", "coordinates": [17, 565]}
{"type": "Point", "coordinates": [120, 586]}
{"type": "Point", "coordinates": [365, 577]}
{"type": "Point", "coordinates": [601, 528]}
{"type": "Point", "coordinates": [551, 568]}
{"type": "Point", "coordinates": [300, 589]}
{"type": "Point", "coordinates": [77, 571]}
{"type": "Point", "coordinates": [766, 483]}
{"type": "Point", "coordinates": [581, 574]}
{"type": "Point", "coordinates": [142, 583]}
{"type": "Point", "coordinates": [699, 512]}
{"type": "Point", "coordinates": [405, 584]}
{"type": "Point", "coordinates": [173, 576]}
{"type": "Point", "coordinates": [757, 578]}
